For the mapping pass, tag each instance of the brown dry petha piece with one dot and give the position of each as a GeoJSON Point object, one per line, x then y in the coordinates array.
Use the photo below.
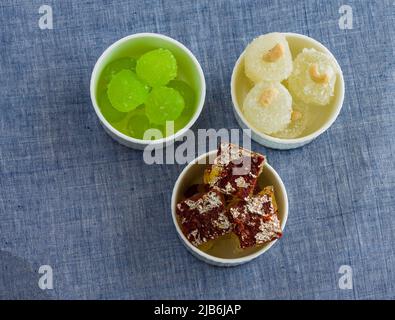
{"type": "Point", "coordinates": [203, 217]}
{"type": "Point", "coordinates": [255, 219]}
{"type": "Point", "coordinates": [235, 171]}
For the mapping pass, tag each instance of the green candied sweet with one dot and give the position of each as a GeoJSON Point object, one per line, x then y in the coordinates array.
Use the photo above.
{"type": "Point", "coordinates": [157, 67]}
{"type": "Point", "coordinates": [108, 111]}
{"type": "Point", "coordinates": [138, 124]}
{"type": "Point", "coordinates": [189, 97]}
{"type": "Point", "coordinates": [114, 67]}
{"type": "Point", "coordinates": [164, 104]}
{"type": "Point", "coordinates": [126, 92]}
{"type": "Point", "coordinates": [186, 91]}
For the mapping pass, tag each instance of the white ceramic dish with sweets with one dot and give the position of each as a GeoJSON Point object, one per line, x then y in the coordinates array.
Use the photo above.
{"type": "Point", "coordinates": [136, 45]}
{"type": "Point", "coordinates": [226, 250]}
{"type": "Point", "coordinates": [316, 118]}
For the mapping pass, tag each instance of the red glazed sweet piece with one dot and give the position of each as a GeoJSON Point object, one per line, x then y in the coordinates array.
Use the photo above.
{"type": "Point", "coordinates": [235, 171]}
{"type": "Point", "coordinates": [255, 219]}
{"type": "Point", "coordinates": [203, 217]}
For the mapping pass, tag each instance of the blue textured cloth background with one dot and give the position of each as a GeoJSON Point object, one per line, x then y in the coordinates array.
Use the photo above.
{"type": "Point", "coordinates": [74, 199]}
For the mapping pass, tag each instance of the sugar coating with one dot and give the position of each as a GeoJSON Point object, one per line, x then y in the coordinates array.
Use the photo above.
{"type": "Point", "coordinates": [164, 104]}
{"type": "Point", "coordinates": [257, 68]}
{"type": "Point", "coordinates": [296, 128]}
{"type": "Point", "coordinates": [157, 67]}
{"type": "Point", "coordinates": [272, 117]}
{"type": "Point", "coordinates": [204, 217]}
{"type": "Point", "coordinates": [115, 66]}
{"type": "Point", "coordinates": [268, 230]}
{"type": "Point", "coordinates": [301, 82]}
{"type": "Point", "coordinates": [234, 171]}
{"type": "Point", "coordinates": [125, 91]}
{"type": "Point", "coordinates": [255, 218]}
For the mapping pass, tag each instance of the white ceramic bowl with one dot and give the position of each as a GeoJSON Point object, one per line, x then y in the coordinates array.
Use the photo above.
{"type": "Point", "coordinates": [193, 173]}
{"type": "Point", "coordinates": [142, 42]}
{"type": "Point", "coordinates": [240, 85]}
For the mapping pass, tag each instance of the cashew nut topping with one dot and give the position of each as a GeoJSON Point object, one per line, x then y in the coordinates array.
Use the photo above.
{"type": "Point", "coordinates": [316, 76]}
{"type": "Point", "coordinates": [274, 53]}
{"type": "Point", "coordinates": [296, 115]}
{"type": "Point", "coordinates": [267, 96]}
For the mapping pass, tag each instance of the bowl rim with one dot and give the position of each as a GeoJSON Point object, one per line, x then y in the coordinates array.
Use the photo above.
{"type": "Point", "coordinates": [206, 256]}
{"type": "Point", "coordinates": [310, 136]}
{"type": "Point", "coordinates": [95, 74]}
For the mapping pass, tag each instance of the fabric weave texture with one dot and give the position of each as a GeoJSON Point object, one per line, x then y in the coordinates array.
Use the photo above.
{"type": "Point", "coordinates": [74, 199]}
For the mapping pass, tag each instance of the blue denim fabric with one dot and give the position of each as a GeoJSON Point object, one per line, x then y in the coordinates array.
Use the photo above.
{"type": "Point", "coordinates": [74, 199]}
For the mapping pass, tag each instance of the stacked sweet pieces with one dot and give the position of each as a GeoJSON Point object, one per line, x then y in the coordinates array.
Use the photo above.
{"type": "Point", "coordinates": [310, 79]}
{"type": "Point", "coordinates": [144, 93]}
{"type": "Point", "coordinates": [229, 202]}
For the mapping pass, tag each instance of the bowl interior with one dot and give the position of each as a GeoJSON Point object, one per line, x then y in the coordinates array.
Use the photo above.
{"type": "Point", "coordinates": [225, 247]}
{"type": "Point", "coordinates": [241, 85]}
{"type": "Point", "coordinates": [134, 46]}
